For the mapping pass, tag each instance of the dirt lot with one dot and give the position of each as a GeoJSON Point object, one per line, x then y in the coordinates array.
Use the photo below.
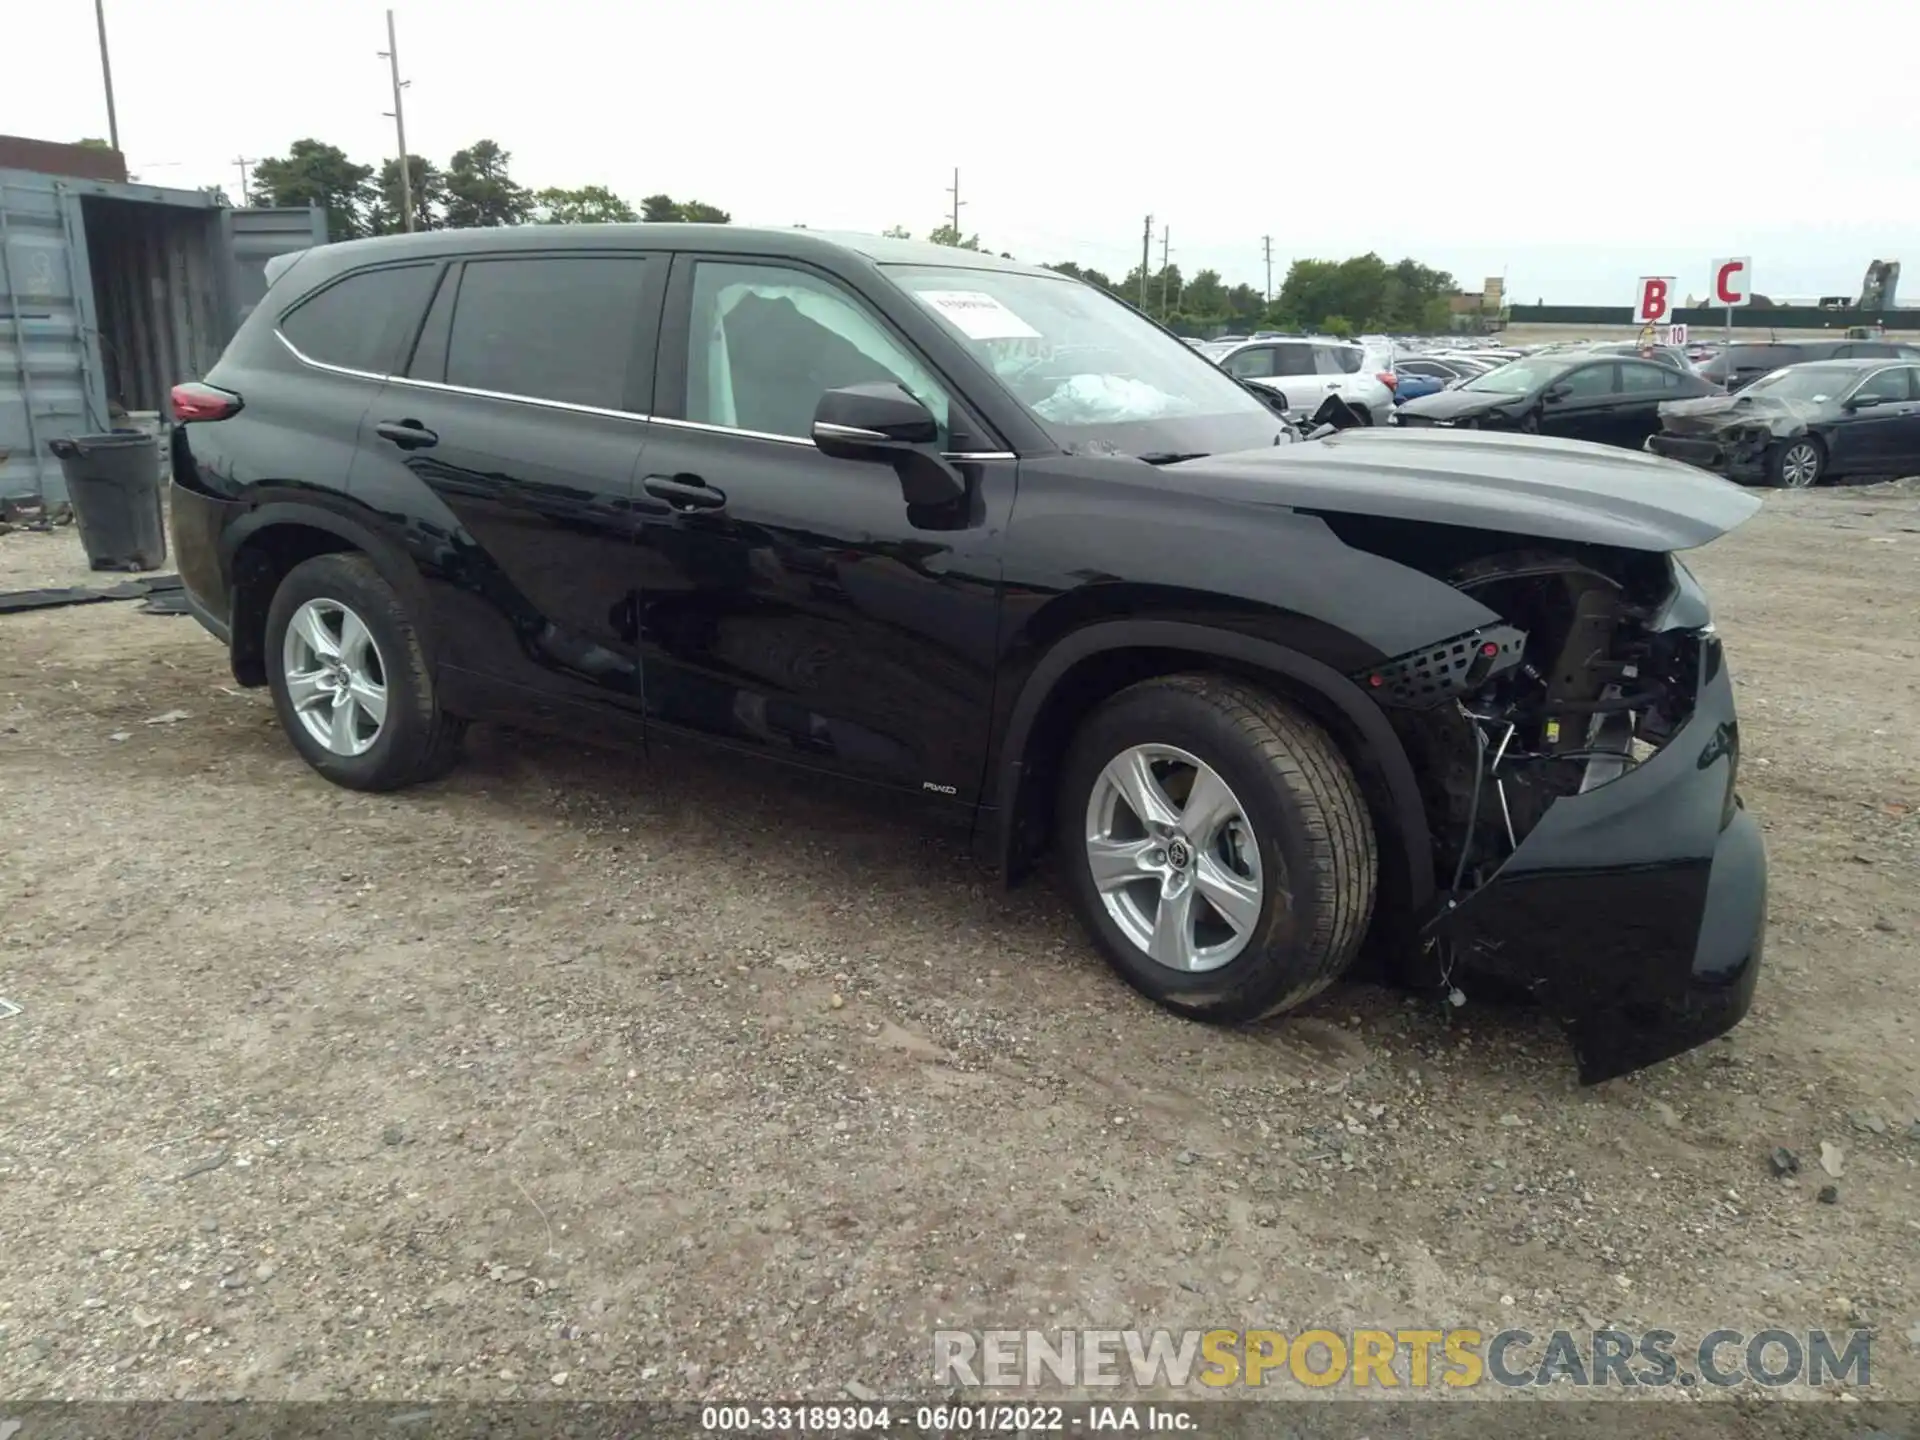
{"type": "Point", "coordinates": [572, 1075]}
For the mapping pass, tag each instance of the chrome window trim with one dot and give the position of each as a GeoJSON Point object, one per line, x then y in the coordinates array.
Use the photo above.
{"type": "Point", "coordinates": [305, 359]}
{"type": "Point", "coordinates": [442, 386]}
{"type": "Point", "coordinates": [512, 399]}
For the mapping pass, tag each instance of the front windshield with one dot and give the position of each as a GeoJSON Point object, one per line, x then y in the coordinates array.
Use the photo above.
{"type": "Point", "coordinates": [1098, 377]}
{"type": "Point", "coordinates": [1809, 383]}
{"type": "Point", "coordinates": [1518, 377]}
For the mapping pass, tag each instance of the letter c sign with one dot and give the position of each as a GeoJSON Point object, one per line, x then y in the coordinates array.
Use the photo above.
{"type": "Point", "coordinates": [1732, 282]}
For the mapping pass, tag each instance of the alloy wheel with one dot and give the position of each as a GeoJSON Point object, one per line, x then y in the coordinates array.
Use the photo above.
{"type": "Point", "coordinates": [1800, 466]}
{"type": "Point", "coordinates": [1174, 858]}
{"type": "Point", "coordinates": [336, 677]}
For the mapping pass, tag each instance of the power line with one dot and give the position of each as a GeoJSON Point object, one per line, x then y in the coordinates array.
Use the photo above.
{"type": "Point", "coordinates": [392, 56]}
{"type": "Point", "coordinates": [245, 164]}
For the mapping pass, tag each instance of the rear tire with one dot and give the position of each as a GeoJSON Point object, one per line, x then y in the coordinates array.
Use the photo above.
{"type": "Point", "coordinates": [1293, 864]}
{"type": "Point", "coordinates": [350, 679]}
{"type": "Point", "coordinates": [1796, 464]}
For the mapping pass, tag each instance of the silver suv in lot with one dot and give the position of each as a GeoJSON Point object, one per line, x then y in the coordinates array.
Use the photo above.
{"type": "Point", "coordinates": [1307, 369]}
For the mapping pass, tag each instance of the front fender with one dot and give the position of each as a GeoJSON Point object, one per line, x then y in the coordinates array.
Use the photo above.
{"type": "Point", "coordinates": [1358, 716]}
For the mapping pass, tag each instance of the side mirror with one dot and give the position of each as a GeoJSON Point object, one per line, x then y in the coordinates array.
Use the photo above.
{"type": "Point", "coordinates": [1555, 394]}
{"type": "Point", "coordinates": [874, 421]}
{"type": "Point", "coordinates": [880, 420]}
{"type": "Point", "coordinates": [1861, 402]}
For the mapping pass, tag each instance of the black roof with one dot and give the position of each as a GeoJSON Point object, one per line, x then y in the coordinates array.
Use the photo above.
{"type": "Point", "coordinates": [816, 245]}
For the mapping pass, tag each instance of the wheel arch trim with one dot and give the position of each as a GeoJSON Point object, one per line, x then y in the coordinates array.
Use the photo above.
{"type": "Point", "coordinates": [389, 558]}
{"type": "Point", "coordinates": [1366, 718]}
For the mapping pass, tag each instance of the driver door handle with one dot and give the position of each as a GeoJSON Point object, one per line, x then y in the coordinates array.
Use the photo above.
{"type": "Point", "coordinates": [407, 434]}
{"type": "Point", "coordinates": [684, 492]}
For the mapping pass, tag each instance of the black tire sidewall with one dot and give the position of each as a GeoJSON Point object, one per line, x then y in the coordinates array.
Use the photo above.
{"type": "Point", "coordinates": [392, 758]}
{"type": "Point", "coordinates": [1270, 965]}
{"type": "Point", "coordinates": [1777, 463]}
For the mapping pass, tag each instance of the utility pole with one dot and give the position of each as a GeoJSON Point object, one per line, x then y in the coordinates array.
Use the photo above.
{"type": "Point", "coordinates": [244, 163]}
{"type": "Point", "coordinates": [1166, 236]}
{"type": "Point", "coordinates": [106, 75]}
{"type": "Point", "coordinates": [953, 192]}
{"type": "Point", "coordinates": [1146, 260]}
{"type": "Point", "coordinates": [392, 56]}
{"type": "Point", "coordinates": [1267, 242]}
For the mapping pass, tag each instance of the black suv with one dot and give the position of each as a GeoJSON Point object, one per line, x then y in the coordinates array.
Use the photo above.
{"type": "Point", "coordinates": [979, 533]}
{"type": "Point", "coordinates": [1746, 362]}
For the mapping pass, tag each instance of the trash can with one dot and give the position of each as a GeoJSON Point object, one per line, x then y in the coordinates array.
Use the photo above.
{"type": "Point", "coordinates": [113, 484]}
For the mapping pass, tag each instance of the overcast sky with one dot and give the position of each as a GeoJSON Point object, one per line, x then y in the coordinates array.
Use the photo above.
{"type": "Point", "coordinates": [1589, 158]}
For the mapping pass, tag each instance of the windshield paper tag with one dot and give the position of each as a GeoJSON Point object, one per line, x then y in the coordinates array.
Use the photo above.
{"type": "Point", "coordinates": [978, 315]}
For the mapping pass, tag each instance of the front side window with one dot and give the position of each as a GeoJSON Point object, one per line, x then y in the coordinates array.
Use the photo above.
{"type": "Point", "coordinates": [358, 323]}
{"type": "Point", "coordinates": [1887, 386]}
{"type": "Point", "coordinates": [1521, 377]}
{"type": "Point", "coordinates": [766, 342]}
{"type": "Point", "coordinates": [1811, 384]}
{"type": "Point", "coordinates": [1096, 375]}
{"type": "Point", "coordinates": [1589, 382]}
{"type": "Point", "coordinates": [562, 328]}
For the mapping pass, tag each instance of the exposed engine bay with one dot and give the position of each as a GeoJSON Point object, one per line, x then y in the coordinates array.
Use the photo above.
{"type": "Point", "coordinates": [1573, 691]}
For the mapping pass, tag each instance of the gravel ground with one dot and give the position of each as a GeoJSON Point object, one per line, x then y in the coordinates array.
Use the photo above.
{"type": "Point", "coordinates": [572, 1075]}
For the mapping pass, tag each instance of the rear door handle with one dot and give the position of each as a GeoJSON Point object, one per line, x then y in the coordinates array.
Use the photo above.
{"type": "Point", "coordinates": [407, 434]}
{"type": "Point", "coordinates": [684, 492]}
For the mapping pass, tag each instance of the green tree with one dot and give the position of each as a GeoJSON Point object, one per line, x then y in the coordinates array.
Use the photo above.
{"type": "Point", "coordinates": [1367, 293]}
{"type": "Point", "coordinates": [1204, 299]}
{"type": "Point", "coordinates": [590, 204]}
{"type": "Point", "coordinates": [664, 209]}
{"type": "Point", "coordinates": [948, 236]}
{"type": "Point", "coordinates": [481, 192]}
{"type": "Point", "coordinates": [93, 142]}
{"type": "Point", "coordinates": [312, 173]}
{"type": "Point", "coordinates": [429, 196]}
{"type": "Point", "coordinates": [897, 232]}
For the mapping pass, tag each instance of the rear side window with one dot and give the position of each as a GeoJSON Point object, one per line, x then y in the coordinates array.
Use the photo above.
{"type": "Point", "coordinates": [359, 323]}
{"type": "Point", "coordinates": [549, 328]}
{"type": "Point", "coordinates": [1336, 360]}
{"type": "Point", "coordinates": [1647, 379]}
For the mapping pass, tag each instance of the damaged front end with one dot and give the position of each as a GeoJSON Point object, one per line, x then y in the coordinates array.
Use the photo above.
{"type": "Point", "coordinates": [1731, 435]}
{"type": "Point", "coordinates": [1578, 762]}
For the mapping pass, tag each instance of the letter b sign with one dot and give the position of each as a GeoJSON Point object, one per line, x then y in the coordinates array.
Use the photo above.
{"type": "Point", "coordinates": [1654, 300]}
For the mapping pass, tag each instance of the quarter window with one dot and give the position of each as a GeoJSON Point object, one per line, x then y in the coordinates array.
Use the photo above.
{"type": "Point", "coordinates": [359, 323]}
{"type": "Point", "coordinates": [767, 341]}
{"type": "Point", "coordinates": [1647, 379]}
{"type": "Point", "coordinates": [562, 328]}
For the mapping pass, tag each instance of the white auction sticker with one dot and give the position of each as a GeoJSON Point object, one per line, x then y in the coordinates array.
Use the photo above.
{"type": "Point", "coordinates": [978, 315]}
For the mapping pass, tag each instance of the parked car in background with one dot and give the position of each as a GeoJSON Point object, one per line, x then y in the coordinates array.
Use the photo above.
{"type": "Point", "coordinates": [1613, 400]}
{"type": "Point", "coordinates": [978, 535]}
{"type": "Point", "coordinates": [1801, 425]}
{"type": "Point", "coordinates": [1672, 356]}
{"type": "Point", "coordinates": [1738, 367]}
{"type": "Point", "coordinates": [1442, 371]}
{"type": "Point", "coordinates": [1307, 371]}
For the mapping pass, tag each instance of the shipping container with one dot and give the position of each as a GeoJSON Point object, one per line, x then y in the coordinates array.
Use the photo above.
{"type": "Point", "coordinates": [111, 294]}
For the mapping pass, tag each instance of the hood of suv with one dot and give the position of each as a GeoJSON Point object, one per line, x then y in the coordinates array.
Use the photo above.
{"type": "Point", "coordinates": [1520, 484]}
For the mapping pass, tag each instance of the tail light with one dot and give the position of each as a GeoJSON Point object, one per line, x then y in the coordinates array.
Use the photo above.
{"type": "Point", "coordinates": [1388, 379]}
{"type": "Point", "coordinates": [194, 401]}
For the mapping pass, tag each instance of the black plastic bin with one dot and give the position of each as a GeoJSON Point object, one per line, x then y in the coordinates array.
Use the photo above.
{"type": "Point", "coordinates": [113, 484]}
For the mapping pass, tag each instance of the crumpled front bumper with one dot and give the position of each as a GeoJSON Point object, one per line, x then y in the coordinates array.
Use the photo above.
{"type": "Point", "coordinates": [1736, 457]}
{"type": "Point", "coordinates": [1638, 910]}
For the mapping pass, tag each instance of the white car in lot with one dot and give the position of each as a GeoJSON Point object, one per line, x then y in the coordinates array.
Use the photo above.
{"type": "Point", "coordinates": [1307, 369]}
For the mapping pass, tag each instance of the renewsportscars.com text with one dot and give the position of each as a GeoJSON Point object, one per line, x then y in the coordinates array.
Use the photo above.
{"type": "Point", "coordinates": [1397, 1359]}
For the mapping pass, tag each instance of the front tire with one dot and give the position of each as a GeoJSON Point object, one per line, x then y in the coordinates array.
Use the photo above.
{"type": "Point", "coordinates": [1217, 845]}
{"type": "Point", "coordinates": [1796, 464]}
{"type": "Point", "coordinates": [350, 680]}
